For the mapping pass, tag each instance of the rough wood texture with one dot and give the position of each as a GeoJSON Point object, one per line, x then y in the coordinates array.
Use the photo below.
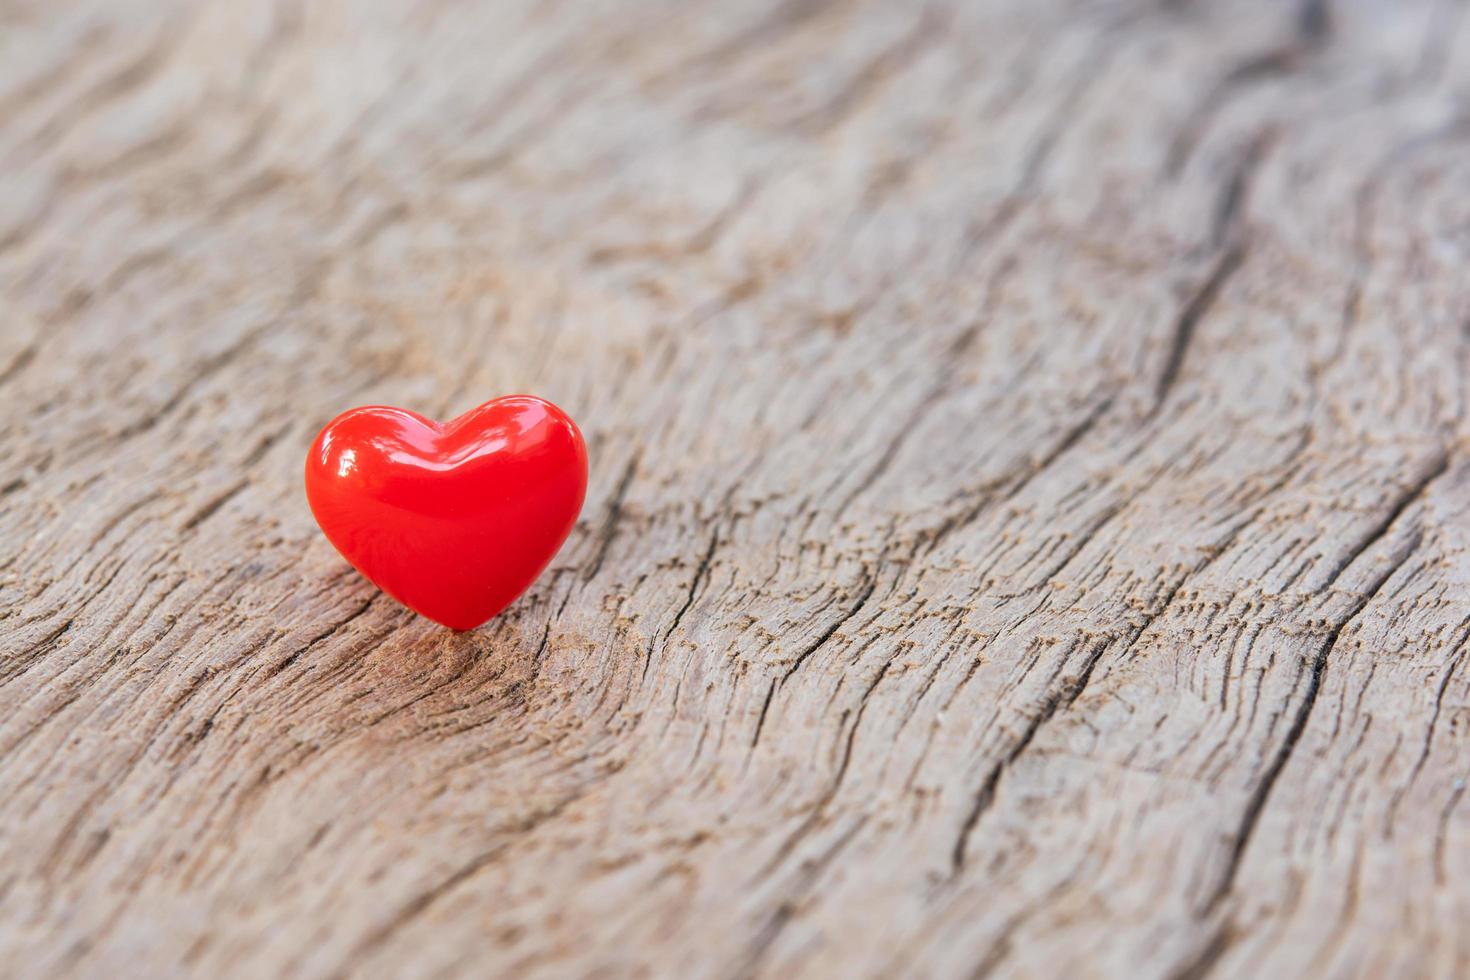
{"type": "Point", "coordinates": [1030, 506]}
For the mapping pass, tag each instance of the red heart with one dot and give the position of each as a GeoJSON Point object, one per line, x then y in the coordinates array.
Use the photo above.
{"type": "Point", "coordinates": [455, 519]}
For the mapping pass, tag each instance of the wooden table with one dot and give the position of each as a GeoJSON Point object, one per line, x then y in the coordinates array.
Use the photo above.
{"type": "Point", "coordinates": [1029, 512]}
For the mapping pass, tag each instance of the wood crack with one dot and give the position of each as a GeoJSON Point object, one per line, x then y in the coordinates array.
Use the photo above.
{"type": "Point", "coordinates": [614, 515]}
{"type": "Point", "coordinates": [295, 655]}
{"type": "Point", "coordinates": [1316, 671]}
{"type": "Point", "coordinates": [421, 903]}
{"type": "Point", "coordinates": [700, 573]}
{"type": "Point", "coordinates": [1059, 698]}
{"type": "Point", "coordinates": [870, 585]}
{"type": "Point", "coordinates": [212, 507]}
{"type": "Point", "coordinates": [1189, 319]}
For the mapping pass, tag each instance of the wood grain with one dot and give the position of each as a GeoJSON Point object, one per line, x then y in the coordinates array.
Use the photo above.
{"type": "Point", "coordinates": [1030, 521]}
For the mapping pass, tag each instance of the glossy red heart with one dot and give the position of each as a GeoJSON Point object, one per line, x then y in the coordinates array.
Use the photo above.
{"type": "Point", "coordinates": [454, 519]}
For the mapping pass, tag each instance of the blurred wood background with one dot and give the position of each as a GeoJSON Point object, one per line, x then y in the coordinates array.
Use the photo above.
{"type": "Point", "coordinates": [1030, 506]}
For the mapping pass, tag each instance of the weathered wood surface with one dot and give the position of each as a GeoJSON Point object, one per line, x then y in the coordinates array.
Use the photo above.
{"type": "Point", "coordinates": [1030, 505]}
